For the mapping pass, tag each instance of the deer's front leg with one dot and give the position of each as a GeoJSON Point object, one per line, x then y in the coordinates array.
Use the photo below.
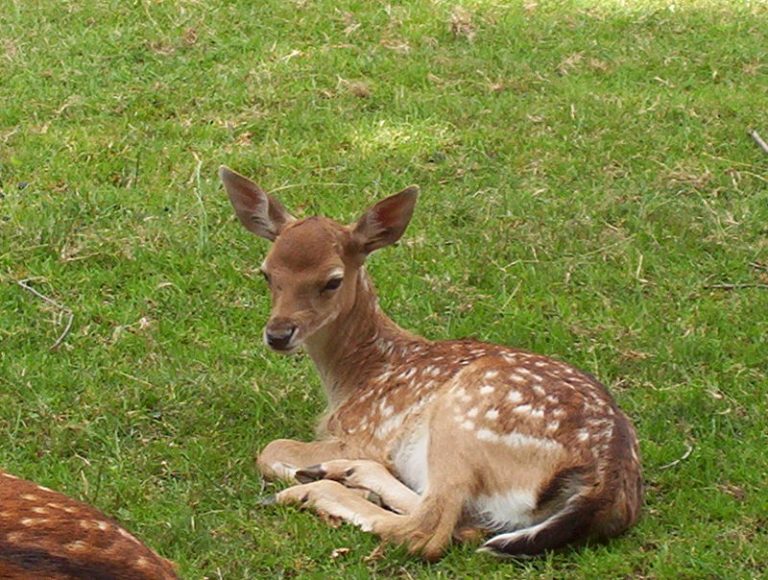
{"type": "Point", "coordinates": [331, 498]}
{"type": "Point", "coordinates": [282, 458]}
{"type": "Point", "coordinates": [365, 474]}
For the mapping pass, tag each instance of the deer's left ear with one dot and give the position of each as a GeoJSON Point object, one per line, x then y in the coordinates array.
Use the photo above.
{"type": "Point", "coordinates": [385, 222]}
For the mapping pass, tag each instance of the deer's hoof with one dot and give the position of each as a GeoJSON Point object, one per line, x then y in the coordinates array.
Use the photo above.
{"type": "Point", "coordinates": [309, 474]}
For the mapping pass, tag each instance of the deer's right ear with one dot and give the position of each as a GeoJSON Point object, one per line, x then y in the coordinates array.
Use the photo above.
{"type": "Point", "coordinates": [259, 212]}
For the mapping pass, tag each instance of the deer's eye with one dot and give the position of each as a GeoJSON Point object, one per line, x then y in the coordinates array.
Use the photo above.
{"type": "Point", "coordinates": [332, 284]}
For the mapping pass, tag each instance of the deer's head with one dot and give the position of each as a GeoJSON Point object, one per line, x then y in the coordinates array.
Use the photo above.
{"type": "Point", "coordinates": [313, 267]}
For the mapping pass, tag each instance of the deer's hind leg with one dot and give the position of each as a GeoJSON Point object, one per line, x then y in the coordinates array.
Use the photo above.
{"type": "Point", "coordinates": [451, 475]}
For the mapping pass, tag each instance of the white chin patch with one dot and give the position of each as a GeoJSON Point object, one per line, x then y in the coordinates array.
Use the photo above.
{"type": "Point", "coordinates": [288, 351]}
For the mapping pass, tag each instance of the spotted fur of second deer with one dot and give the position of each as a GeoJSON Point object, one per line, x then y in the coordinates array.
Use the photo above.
{"type": "Point", "coordinates": [47, 535]}
{"type": "Point", "coordinates": [458, 439]}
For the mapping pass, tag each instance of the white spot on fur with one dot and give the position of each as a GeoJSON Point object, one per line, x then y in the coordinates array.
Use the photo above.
{"type": "Point", "coordinates": [553, 426]}
{"type": "Point", "coordinates": [491, 375]}
{"type": "Point", "coordinates": [385, 376]}
{"type": "Point", "coordinates": [522, 409]}
{"type": "Point", "coordinates": [514, 397]}
{"type": "Point", "coordinates": [537, 413]}
{"type": "Point", "coordinates": [487, 435]}
{"type": "Point", "coordinates": [607, 432]}
{"type": "Point", "coordinates": [492, 414]}
{"type": "Point", "coordinates": [473, 412]}
{"type": "Point", "coordinates": [76, 546]}
{"type": "Point", "coordinates": [40, 510]}
{"type": "Point", "coordinates": [486, 390]}
{"type": "Point", "coordinates": [463, 396]}
{"type": "Point", "coordinates": [142, 562]}
{"type": "Point", "coordinates": [29, 497]}
{"type": "Point", "coordinates": [468, 425]}
{"type": "Point", "coordinates": [539, 390]}
{"type": "Point", "coordinates": [583, 435]}
{"type": "Point", "coordinates": [597, 424]}
{"type": "Point", "coordinates": [519, 439]}
{"type": "Point", "coordinates": [516, 378]}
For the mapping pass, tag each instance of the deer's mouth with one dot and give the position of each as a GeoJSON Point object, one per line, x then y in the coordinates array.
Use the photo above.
{"type": "Point", "coordinates": [287, 350]}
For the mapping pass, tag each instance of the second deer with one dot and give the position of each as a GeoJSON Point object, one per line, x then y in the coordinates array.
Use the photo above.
{"type": "Point", "coordinates": [457, 438]}
{"type": "Point", "coordinates": [47, 535]}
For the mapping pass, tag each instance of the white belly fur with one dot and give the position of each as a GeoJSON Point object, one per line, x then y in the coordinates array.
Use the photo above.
{"type": "Point", "coordinates": [507, 511]}
{"type": "Point", "coordinates": [410, 459]}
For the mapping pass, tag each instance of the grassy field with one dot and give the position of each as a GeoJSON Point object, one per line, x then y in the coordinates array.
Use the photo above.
{"type": "Point", "coordinates": [589, 191]}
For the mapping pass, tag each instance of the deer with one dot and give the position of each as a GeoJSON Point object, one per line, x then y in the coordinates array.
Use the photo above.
{"type": "Point", "coordinates": [48, 535]}
{"type": "Point", "coordinates": [424, 442]}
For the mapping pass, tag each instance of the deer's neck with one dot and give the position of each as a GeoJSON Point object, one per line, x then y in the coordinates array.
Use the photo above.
{"type": "Point", "coordinates": [357, 344]}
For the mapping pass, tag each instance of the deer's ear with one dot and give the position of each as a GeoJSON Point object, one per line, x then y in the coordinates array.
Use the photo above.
{"type": "Point", "coordinates": [259, 212]}
{"type": "Point", "coordinates": [385, 222]}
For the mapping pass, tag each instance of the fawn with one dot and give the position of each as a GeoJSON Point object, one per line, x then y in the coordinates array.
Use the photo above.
{"type": "Point", "coordinates": [47, 535]}
{"type": "Point", "coordinates": [456, 438]}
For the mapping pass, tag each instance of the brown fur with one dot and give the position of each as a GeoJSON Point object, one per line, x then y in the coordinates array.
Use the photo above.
{"type": "Point", "coordinates": [488, 437]}
{"type": "Point", "coordinates": [44, 534]}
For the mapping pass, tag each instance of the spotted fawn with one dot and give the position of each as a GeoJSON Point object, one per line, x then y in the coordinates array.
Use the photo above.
{"type": "Point", "coordinates": [457, 439]}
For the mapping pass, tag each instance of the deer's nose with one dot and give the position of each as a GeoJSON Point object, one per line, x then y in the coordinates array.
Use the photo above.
{"type": "Point", "coordinates": [279, 337]}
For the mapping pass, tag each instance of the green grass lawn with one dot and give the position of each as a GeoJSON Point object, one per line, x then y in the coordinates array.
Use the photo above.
{"type": "Point", "coordinates": [587, 185]}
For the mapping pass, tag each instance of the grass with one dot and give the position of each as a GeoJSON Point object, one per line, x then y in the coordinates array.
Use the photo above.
{"type": "Point", "coordinates": [587, 182]}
